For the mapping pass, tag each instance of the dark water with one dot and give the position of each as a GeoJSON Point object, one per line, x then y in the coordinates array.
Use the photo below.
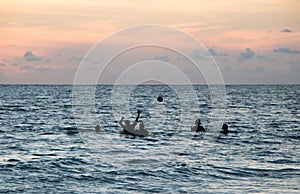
{"type": "Point", "coordinates": [42, 150]}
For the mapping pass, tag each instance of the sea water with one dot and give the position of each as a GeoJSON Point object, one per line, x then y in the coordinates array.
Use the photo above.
{"type": "Point", "coordinates": [46, 148]}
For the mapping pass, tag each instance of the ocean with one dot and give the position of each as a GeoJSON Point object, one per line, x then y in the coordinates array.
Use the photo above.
{"type": "Point", "coordinates": [48, 144]}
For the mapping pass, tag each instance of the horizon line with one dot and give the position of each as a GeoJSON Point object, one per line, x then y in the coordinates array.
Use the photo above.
{"type": "Point", "coordinates": [150, 84]}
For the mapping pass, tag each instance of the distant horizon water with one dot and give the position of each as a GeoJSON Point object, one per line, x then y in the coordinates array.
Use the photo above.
{"type": "Point", "coordinates": [111, 84]}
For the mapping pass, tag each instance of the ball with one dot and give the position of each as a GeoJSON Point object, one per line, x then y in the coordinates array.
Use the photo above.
{"type": "Point", "coordinates": [160, 99]}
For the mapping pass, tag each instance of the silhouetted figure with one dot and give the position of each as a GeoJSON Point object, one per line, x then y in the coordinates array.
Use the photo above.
{"type": "Point", "coordinates": [127, 126]}
{"type": "Point", "coordinates": [130, 128]}
{"type": "Point", "coordinates": [138, 116]}
{"type": "Point", "coordinates": [97, 128]}
{"type": "Point", "coordinates": [142, 131]}
{"type": "Point", "coordinates": [225, 129]}
{"type": "Point", "coordinates": [198, 127]}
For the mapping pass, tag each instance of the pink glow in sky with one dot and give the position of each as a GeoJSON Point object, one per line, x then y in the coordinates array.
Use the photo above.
{"type": "Point", "coordinates": [253, 41]}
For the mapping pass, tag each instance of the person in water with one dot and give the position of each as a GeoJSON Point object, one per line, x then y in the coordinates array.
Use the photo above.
{"type": "Point", "coordinates": [225, 129]}
{"type": "Point", "coordinates": [97, 128]}
{"type": "Point", "coordinates": [142, 131]}
{"type": "Point", "coordinates": [198, 127]}
{"type": "Point", "coordinates": [126, 125]}
{"type": "Point", "coordinates": [130, 128]}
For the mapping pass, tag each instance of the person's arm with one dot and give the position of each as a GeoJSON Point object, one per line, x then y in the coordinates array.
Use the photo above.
{"type": "Point", "coordinates": [121, 122]}
{"type": "Point", "coordinates": [138, 116]}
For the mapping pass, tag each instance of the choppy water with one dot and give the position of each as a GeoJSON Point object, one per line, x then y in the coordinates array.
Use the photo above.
{"type": "Point", "coordinates": [42, 150]}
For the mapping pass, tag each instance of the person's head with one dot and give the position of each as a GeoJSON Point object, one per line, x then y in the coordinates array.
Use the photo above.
{"type": "Point", "coordinates": [225, 127]}
{"type": "Point", "coordinates": [198, 122]}
{"type": "Point", "coordinates": [97, 128]}
{"type": "Point", "coordinates": [127, 122]}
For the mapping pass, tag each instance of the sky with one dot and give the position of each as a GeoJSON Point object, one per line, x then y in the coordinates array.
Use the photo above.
{"type": "Point", "coordinates": [252, 41]}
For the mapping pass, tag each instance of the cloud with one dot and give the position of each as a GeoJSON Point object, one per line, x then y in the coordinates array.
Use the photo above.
{"type": "Point", "coordinates": [213, 52]}
{"type": "Point", "coordinates": [15, 65]}
{"type": "Point", "coordinates": [29, 56]}
{"type": "Point", "coordinates": [261, 57]}
{"type": "Point", "coordinates": [286, 51]}
{"type": "Point", "coordinates": [39, 69]}
{"type": "Point", "coordinates": [247, 54]}
{"type": "Point", "coordinates": [286, 30]}
{"type": "Point", "coordinates": [77, 59]}
{"type": "Point", "coordinates": [26, 68]}
{"type": "Point", "coordinates": [44, 69]}
{"type": "Point", "coordinates": [2, 65]}
{"type": "Point", "coordinates": [201, 54]}
{"type": "Point", "coordinates": [265, 58]}
{"type": "Point", "coordinates": [161, 58]}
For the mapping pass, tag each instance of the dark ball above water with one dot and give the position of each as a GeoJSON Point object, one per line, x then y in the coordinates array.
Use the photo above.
{"type": "Point", "coordinates": [160, 99]}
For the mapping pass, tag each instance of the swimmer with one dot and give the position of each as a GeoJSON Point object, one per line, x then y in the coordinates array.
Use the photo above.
{"type": "Point", "coordinates": [198, 127]}
{"type": "Point", "coordinates": [142, 131]}
{"type": "Point", "coordinates": [127, 126]}
{"type": "Point", "coordinates": [225, 129]}
{"type": "Point", "coordinates": [97, 128]}
{"type": "Point", "coordinates": [130, 128]}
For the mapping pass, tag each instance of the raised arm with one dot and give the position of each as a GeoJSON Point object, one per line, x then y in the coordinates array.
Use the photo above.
{"type": "Point", "coordinates": [199, 123]}
{"type": "Point", "coordinates": [121, 122]}
{"type": "Point", "coordinates": [138, 116]}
